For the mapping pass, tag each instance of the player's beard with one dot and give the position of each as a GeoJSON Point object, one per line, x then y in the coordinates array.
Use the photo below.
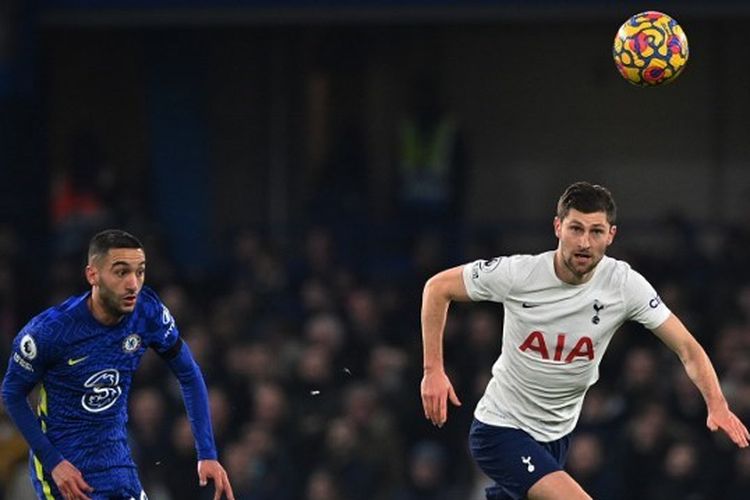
{"type": "Point", "coordinates": [111, 302]}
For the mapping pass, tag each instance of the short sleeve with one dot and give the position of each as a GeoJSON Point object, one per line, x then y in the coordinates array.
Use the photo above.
{"type": "Point", "coordinates": [488, 279]}
{"type": "Point", "coordinates": [643, 304]}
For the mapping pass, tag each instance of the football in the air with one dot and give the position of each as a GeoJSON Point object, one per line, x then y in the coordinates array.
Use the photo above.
{"type": "Point", "coordinates": [650, 49]}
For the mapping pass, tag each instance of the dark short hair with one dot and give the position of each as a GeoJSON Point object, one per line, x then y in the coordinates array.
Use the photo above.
{"type": "Point", "coordinates": [105, 240]}
{"type": "Point", "coordinates": [587, 198]}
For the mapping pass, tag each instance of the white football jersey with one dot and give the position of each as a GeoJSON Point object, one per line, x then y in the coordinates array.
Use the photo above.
{"type": "Point", "coordinates": [554, 336]}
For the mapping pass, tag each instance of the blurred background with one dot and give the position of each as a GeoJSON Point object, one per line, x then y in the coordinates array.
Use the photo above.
{"type": "Point", "coordinates": [297, 169]}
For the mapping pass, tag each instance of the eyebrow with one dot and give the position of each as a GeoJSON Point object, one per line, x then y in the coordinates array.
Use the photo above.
{"type": "Point", "coordinates": [595, 225]}
{"type": "Point", "coordinates": [127, 264]}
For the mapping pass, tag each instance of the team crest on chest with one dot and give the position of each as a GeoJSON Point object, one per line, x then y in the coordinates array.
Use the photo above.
{"type": "Point", "coordinates": [598, 306]}
{"type": "Point", "coordinates": [131, 343]}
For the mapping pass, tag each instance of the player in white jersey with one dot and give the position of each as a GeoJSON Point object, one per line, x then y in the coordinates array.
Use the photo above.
{"type": "Point", "coordinates": [561, 309]}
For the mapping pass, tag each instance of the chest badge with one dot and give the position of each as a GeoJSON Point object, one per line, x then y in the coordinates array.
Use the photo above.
{"type": "Point", "coordinates": [598, 306]}
{"type": "Point", "coordinates": [131, 343]}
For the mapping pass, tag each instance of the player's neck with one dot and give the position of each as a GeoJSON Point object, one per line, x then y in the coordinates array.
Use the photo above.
{"type": "Point", "coordinates": [100, 312]}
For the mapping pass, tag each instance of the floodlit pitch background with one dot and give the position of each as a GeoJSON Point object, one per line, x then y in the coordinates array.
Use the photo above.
{"type": "Point", "coordinates": [224, 131]}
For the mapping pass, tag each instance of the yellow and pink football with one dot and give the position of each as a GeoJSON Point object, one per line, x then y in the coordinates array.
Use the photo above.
{"type": "Point", "coordinates": [650, 49]}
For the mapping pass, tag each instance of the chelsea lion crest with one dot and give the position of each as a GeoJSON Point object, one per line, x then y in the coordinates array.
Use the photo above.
{"type": "Point", "coordinates": [131, 343]}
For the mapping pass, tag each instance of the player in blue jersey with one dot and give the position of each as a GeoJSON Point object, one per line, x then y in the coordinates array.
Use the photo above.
{"type": "Point", "coordinates": [83, 354]}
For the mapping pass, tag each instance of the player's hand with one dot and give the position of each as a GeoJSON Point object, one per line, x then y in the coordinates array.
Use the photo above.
{"type": "Point", "coordinates": [69, 481]}
{"type": "Point", "coordinates": [436, 389]}
{"type": "Point", "coordinates": [724, 419]}
{"type": "Point", "coordinates": [211, 469]}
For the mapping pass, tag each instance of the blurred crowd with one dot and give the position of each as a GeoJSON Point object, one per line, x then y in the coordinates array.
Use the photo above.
{"type": "Point", "coordinates": [312, 355]}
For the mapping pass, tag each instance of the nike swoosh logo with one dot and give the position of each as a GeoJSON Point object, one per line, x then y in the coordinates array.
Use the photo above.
{"type": "Point", "coordinates": [526, 305]}
{"type": "Point", "coordinates": [72, 361]}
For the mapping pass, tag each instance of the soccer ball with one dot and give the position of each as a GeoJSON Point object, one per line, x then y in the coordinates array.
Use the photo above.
{"type": "Point", "coordinates": [650, 49]}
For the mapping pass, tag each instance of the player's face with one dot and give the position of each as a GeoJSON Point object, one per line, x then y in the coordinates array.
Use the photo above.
{"type": "Point", "coordinates": [116, 280]}
{"type": "Point", "coordinates": [583, 239]}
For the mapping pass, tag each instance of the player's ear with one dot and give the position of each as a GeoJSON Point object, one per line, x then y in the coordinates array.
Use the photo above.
{"type": "Point", "coordinates": [91, 272]}
{"type": "Point", "coordinates": [557, 224]}
{"type": "Point", "coordinates": [612, 233]}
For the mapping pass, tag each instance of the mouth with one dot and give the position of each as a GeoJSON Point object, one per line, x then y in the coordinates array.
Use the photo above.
{"type": "Point", "coordinates": [582, 258]}
{"type": "Point", "coordinates": [129, 300]}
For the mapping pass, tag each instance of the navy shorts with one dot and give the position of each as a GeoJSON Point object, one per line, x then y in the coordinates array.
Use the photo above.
{"type": "Point", "coordinates": [120, 483]}
{"type": "Point", "coordinates": [513, 459]}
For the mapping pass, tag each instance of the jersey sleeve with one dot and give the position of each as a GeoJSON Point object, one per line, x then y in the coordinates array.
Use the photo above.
{"type": "Point", "coordinates": [195, 396]}
{"type": "Point", "coordinates": [161, 329]}
{"type": "Point", "coordinates": [31, 353]}
{"type": "Point", "coordinates": [642, 302]}
{"type": "Point", "coordinates": [488, 279]}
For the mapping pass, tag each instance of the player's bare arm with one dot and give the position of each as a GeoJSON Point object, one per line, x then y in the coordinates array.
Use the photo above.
{"type": "Point", "coordinates": [70, 482]}
{"type": "Point", "coordinates": [212, 469]}
{"type": "Point", "coordinates": [436, 388]}
{"type": "Point", "coordinates": [700, 370]}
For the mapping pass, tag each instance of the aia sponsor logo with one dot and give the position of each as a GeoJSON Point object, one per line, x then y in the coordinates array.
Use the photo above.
{"type": "Point", "coordinates": [583, 348]}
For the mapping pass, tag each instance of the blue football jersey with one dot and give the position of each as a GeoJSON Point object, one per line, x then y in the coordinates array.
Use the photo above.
{"type": "Point", "coordinates": [85, 370]}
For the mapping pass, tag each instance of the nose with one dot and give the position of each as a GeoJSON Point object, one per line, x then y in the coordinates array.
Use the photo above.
{"type": "Point", "coordinates": [585, 240]}
{"type": "Point", "coordinates": [131, 284]}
